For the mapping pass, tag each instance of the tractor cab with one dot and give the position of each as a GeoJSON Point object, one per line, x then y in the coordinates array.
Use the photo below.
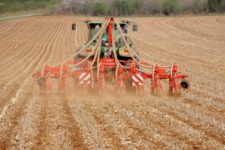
{"type": "Point", "coordinates": [94, 27]}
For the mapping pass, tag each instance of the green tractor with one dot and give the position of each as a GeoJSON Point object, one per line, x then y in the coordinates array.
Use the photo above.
{"type": "Point", "coordinates": [122, 52]}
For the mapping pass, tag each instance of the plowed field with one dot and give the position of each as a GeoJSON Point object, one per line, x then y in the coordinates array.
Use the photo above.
{"type": "Point", "coordinates": [195, 120]}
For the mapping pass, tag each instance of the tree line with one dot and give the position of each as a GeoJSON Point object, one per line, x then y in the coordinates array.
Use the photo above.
{"type": "Point", "coordinates": [117, 7]}
{"type": "Point", "coordinates": [140, 7]}
{"type": "Point", "coordinates": [23, 5]}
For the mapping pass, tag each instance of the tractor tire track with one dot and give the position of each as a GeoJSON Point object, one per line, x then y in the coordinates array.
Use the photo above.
{"type": "Point", "coordinates": [41, 125]}
{"type": "Point", "coordinates": [106, 130]}
{"type": "Point", "coordinates": [75, 133]}
{"type": "Point", "coordinates": [14, 117]}
{"type": "Point", "coordinates": [91, 134]}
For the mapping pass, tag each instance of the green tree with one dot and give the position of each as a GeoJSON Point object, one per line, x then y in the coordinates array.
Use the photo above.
{"type": "Point", "coordinates": [129, 7]}
{"type": "Point", "coordinates": [171, 6]}
{"type": "Point", "coordinates": [124, 7]}
{"type": "Point", "coordinates": [17, 5]}
{"type": "Point", "coordinates": [216, 5]}
{"type": "Point", "coordinates": [199, 6]}
{"type": "Point", "coordinates": [99, 8]}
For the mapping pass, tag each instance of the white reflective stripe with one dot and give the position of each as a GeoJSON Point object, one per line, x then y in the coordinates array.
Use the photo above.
{"type": "Point", "coordinates": [82, 75]}
{"type": "Point", "coordinates": [141, 79]}
{"type": "Point", "coordinates": [134, 81]}
{"type": "Point", "coordinates": [87, 77]}
{"type": "Point", "coordinates": [134, 78]}
{"type": "Point", "coordinates": [137, 79]}
{"type": "Point", "coordinates": [84, 78]}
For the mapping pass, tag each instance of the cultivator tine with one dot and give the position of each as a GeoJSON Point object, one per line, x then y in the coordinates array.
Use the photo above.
{"type": "Point", "coordinates": [156, 85]}
{"type": "Point", "coordinates": [44, 85]}
{"type": "Point", "coordinates": [100, 84]}
{"type": "Point", "coordinates": [43, 80]}
{"type": "Point", "coordinates": [120, 85]}
{"type": "Point", "coordinates": [63, 82]}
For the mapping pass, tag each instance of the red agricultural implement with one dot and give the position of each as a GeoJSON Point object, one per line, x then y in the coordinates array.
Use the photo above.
{"type": "Point", "coordinates": [110, 56]}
